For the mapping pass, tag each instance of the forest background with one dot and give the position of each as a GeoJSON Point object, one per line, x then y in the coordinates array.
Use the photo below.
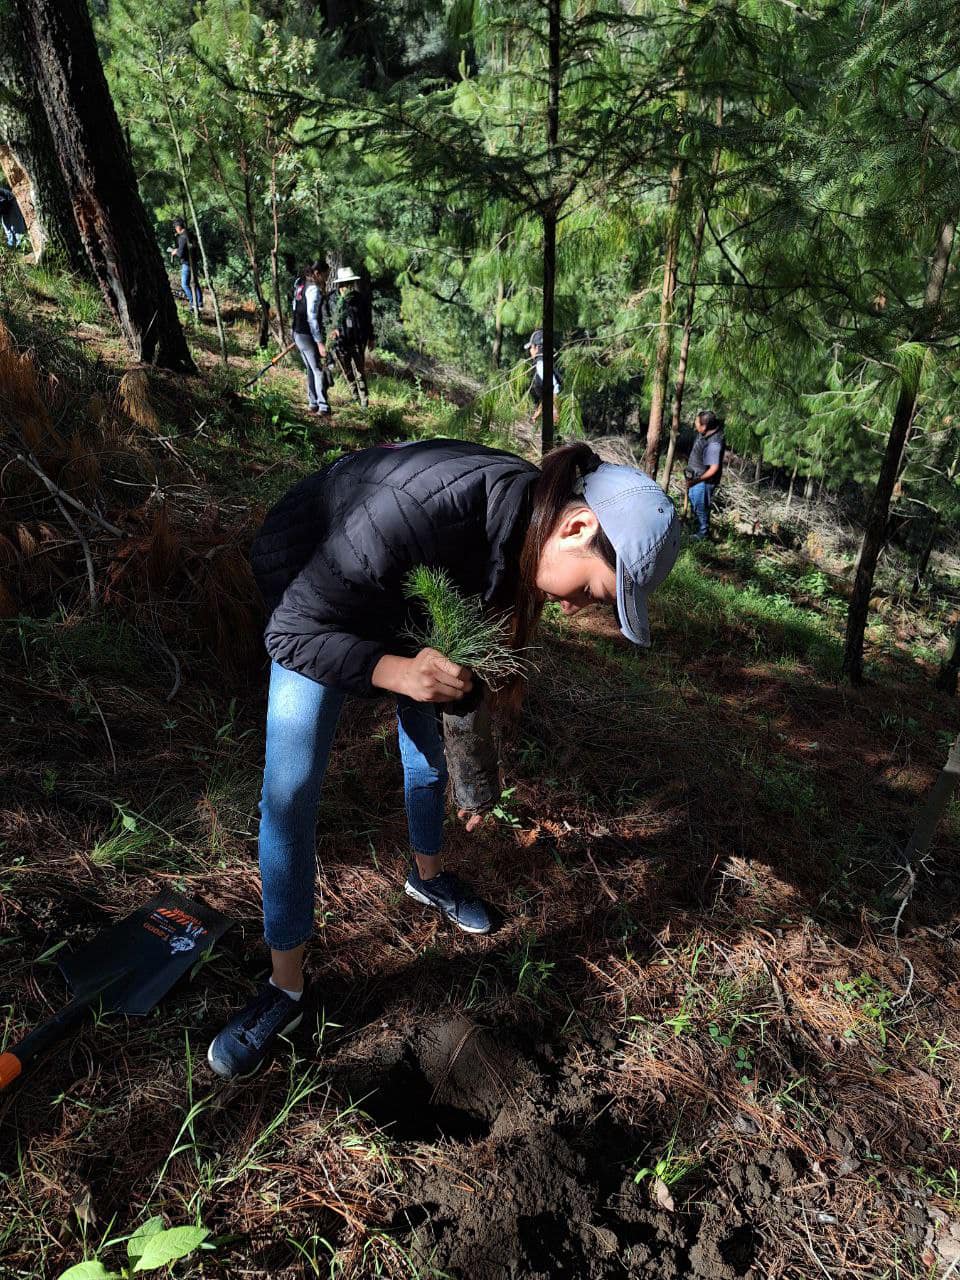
{"type": "Point", "coordinates": [752, 205]}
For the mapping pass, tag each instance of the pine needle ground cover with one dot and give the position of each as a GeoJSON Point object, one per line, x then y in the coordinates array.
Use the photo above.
{"type": "Point", "coordinates": [693, 1049]}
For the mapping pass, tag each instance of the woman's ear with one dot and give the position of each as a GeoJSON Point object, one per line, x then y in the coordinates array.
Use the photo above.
{"type": "Point", "coordinates": [578, 527]}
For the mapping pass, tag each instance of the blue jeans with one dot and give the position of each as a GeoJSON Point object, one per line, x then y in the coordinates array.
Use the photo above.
{"type": "Point", "coordinates": [701, 496]}
{"type": "Point", "coordinates": [310, 355]}
{"type": "Point", "coordinates": [301, 722]}
{"type": "Point", "coordinates": [185, 285]}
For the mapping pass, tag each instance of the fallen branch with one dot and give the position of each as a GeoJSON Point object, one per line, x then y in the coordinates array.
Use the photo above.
{"type": "Point", "coordinates": [24, 455]}
{"type": "Point", "coordinates": [600, 876]}
{"type": "Point", "coordinates": [87, 555]}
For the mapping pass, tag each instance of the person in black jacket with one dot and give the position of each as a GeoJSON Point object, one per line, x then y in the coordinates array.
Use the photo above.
{"type": "Point", "coordinates": [189, 277]}
{"type": "Point", "coordinates": [331, 561]}
{"type": "Point", "coordinates": [352, 332]}
{"type": "Point", "coordinates": [704, 469]}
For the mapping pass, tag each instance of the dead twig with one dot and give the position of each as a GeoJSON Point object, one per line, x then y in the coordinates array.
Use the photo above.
{"type": "Point", "coordinates": [24, 455]}
{"type": "Point", "coordinates": [600, 876]}
{"type": "Point", "coordinates": [919, 843]}
{"type": "Point", "coordinates": [87, 554]}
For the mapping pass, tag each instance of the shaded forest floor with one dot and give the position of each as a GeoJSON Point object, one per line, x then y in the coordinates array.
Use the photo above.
{"type": "Point", "coordinates": [693, 1048]}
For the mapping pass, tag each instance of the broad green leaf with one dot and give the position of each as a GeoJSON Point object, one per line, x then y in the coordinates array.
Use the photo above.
{"type": "Point", "coordinates": [138, 1241]}
{"type": "Point", "coordinates": [167, 1246]}
{"type": "Point", "coordinates": [92, 1270]}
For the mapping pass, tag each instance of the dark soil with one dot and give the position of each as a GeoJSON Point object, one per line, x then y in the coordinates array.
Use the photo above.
{"type": "Point", "coordinates": [533, 1175]}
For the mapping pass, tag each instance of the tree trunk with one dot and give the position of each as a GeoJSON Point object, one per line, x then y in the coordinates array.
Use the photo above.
{"type": "Point", "coordinates": [113, 224]}
{"type": "Point", "coordinates": [279, 326]}
{"type": "Point", "coordinates": [549, 289]}
{"type": "Point", "coordinates": [923, 559]}
{"type": "Point", "coordinates": [195, 221]}
{"type": "Point", "coordinates": [793, 480]}
{"type": "Point", "coordinates": [246, 226]}
{"type": "Point", "coordinates": [661, 364]}
{"type": "Point", "coordinates": [946, 681]}
{"type": "Point", "coordinates": [808, 489]}
{"type": "Point", "coordinates": [498, 325]}
{"type": "Point", "coordinates": [681, 383]}
{"type": "Point", "coordinates": [550, 223]}
{"type": "Point", "coordinates": [29, 159]}
{"type": "Point", "coordinates": [878, 514]}
{"type": "Point", "coordinates": [758, 469]}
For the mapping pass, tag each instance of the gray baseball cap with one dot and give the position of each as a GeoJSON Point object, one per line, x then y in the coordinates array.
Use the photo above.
{"type": "Point", "coordinates": [641, 523]}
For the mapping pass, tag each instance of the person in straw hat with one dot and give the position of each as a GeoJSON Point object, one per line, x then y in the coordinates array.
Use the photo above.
{"type": "Point", "coordinates": [352, 332]}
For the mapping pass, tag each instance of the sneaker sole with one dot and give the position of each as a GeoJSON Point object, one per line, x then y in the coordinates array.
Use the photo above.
{"type": "Point", "coordinates": [417, 896]}
{"type": "Point", "coordinates": [221, 1068]}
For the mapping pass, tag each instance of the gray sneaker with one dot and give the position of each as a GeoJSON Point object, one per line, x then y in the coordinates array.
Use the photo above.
{"type": "Point", "coordinates": [454, 899]}
{"type": "Point", "coordinates": [248, 1039]}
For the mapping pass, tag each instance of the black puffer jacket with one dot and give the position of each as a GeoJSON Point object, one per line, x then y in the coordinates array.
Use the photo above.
{"type": "Point", "coordinates": [332, 556]}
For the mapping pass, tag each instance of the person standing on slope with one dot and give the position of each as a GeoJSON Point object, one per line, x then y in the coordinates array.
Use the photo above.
{"type": "Point", "coordinates": [309, 315]}
{"type": "Point", "coordinates": [704, 469]}
{"type": "Point", "coordinates": [331, 560]}
{"type": "Point", "coordinates": [352, 332]}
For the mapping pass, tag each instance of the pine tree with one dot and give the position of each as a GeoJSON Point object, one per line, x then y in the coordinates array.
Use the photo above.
{"type": "Point", "coordinates": [99, 176]}
{"type": "Point", "coordinates": [28, 149]}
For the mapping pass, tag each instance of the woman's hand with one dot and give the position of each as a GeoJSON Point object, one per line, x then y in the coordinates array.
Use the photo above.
{"type": "Point", "coordinates": [470, 819]}
{"type": "Point", "coordinates": [429, 677]}
{"type": "Point", "coordinates": [433, 678]}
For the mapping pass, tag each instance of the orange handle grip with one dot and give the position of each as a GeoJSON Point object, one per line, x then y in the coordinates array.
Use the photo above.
{"type": "Point", "coordinates": [10, 1068]}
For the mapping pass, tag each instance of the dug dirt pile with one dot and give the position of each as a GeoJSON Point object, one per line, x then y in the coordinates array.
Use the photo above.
{"type": "Point", "coordinates": [531, 1177]}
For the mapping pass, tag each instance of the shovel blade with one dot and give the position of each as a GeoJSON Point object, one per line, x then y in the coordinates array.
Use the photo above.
{"type": "Point", "coordinates": [136, 961]}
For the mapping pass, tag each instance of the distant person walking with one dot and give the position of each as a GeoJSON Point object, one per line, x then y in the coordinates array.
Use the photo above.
{"type": "Point", "coordinates": [189, 279]}
{"type": "Point", "coordinates": [705, 468]}
{"type": "Point", "coordinates": [352, 332]}
{"type": "Point", "coordinates": [310, 313]}
{"type": "Point", "coordinates": [11, 219]}
{"type": "Point", "coordinates": [535, 348]}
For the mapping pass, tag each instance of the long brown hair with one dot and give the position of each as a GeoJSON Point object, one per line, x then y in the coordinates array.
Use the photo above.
{"type": "Point", "coordinates": [554, 491]}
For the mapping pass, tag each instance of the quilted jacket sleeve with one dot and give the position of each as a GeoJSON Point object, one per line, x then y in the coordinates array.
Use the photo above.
{"type": "Point", "coordinates": [341, 614]}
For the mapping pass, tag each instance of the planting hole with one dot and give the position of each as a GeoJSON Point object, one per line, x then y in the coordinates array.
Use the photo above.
{"type": "Point", "coordinates": [739, 1249]}
{"type": "Point", "coordinates": [402, 1103]}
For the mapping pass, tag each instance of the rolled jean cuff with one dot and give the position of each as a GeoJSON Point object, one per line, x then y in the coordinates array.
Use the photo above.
{"type": "Point", "coordinates": [287, 946]}
{"type": "Point", "coordinates": [426, 853]}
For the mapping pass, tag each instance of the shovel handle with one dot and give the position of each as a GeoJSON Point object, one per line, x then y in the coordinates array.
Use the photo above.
{"type": "Point", "coordinates": [10, 1068]}
{"type": "Point", "coordinates": [267, 367]}
{"type": "Point", "coordinates": [44, 1037]}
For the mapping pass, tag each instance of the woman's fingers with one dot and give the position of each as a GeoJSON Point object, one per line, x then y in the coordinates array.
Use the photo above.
{"type": "Point", "coordinates": [470, 820]}
{"type": "Point", "coordinates": [432, 677]}
{"type": "Point", "coordinates": [449, 675]}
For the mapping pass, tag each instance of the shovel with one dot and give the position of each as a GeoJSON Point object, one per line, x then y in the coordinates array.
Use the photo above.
{"type": "Point", "coordinates": [127, 969]}
{"type": "Point", "coordinates": [267, 367]}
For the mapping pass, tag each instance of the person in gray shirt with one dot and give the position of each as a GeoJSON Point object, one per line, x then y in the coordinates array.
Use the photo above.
{"type": "Point", "coordinates": [705, 468]}
{"type": "Point", "coordinates": [310, 312]}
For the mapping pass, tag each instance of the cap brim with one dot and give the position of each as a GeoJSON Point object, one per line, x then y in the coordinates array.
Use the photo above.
{"type": "Point", "coordinates": [632, 608]}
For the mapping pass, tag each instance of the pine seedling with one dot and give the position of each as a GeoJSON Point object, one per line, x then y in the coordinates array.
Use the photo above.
{"type": "Point", "coordinates": [458, 628]}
